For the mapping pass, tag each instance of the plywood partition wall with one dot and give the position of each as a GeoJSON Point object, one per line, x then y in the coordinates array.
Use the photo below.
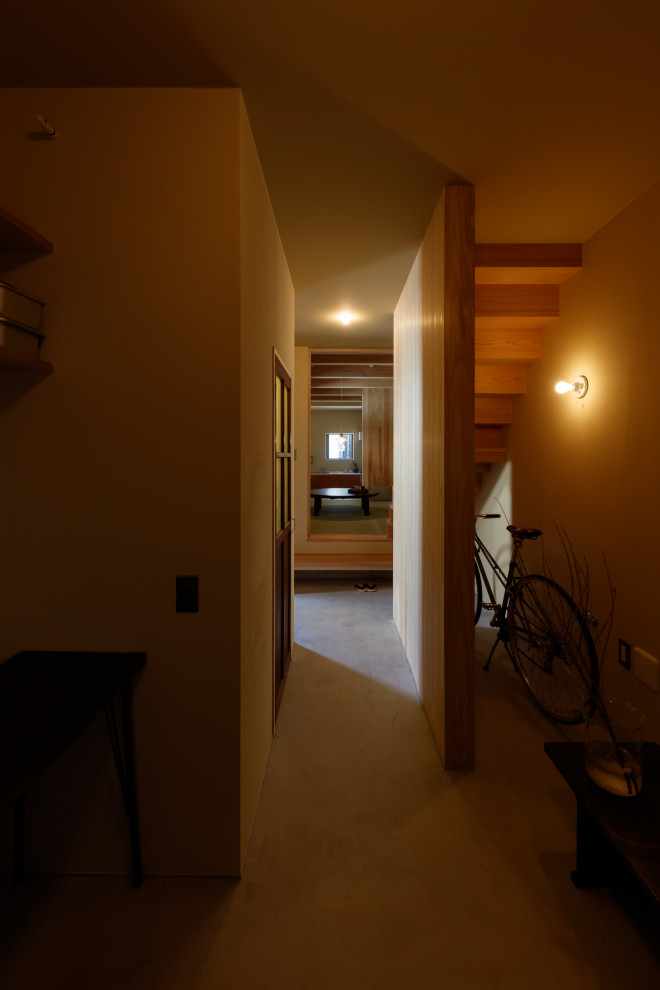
{"type": "Point", "coordinates": [377, 437]}
{"type": "Point", "coordinates": [433, 473]}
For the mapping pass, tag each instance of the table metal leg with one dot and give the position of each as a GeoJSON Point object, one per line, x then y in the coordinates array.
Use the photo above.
{"type": "Point", "coordinates": [365, 505]}
{"type": "Point", "coordinates": [18, 865]}
{"type": "Point", "coordinates": [125, 763]}
{"type": "Point", "coordinates": [317, 504]}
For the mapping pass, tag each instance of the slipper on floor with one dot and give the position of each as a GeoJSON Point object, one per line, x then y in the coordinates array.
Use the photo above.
{"type": "Point", "coordinates": [360, 587]}
{"type": "Point", "coordinates": [370, 587]}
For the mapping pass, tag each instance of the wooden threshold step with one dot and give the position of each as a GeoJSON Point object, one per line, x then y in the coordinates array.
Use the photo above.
{"type": "Point", "coordinates": [342, 561]}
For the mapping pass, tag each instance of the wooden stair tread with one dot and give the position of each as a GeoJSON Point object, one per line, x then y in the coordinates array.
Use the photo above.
{"type": "Point", "coordinates": [517, 264]}
{"type": "Point", "coordinates": [516, 297]}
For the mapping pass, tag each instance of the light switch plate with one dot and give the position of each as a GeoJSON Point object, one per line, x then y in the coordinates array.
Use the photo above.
{"type": "Point", "coordinates": [646, 669]}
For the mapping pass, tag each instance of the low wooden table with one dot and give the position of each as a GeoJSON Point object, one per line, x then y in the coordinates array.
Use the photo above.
{"type": "Point", "coordinates": [618, 838]}
{"type": "Point", "coordinates": [318, 494]}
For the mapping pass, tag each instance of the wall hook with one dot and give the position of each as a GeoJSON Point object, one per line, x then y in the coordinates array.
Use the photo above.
{"type": "Point", "coordinates": [45, 125]}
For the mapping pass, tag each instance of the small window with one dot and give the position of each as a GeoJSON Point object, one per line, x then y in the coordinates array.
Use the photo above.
{"type": "Point", "coordinates": [338, 447]}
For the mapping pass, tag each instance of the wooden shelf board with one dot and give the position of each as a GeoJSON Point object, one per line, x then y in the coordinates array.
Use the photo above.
{"type": "Point", "coordinates": [17, 236]}
{"type": "Point", "coordinates": [9, 361]}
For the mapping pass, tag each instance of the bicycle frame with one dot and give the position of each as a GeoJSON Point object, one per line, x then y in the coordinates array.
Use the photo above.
{"type": "Point", "coordinates": [507, 579]}
{"type": "Point", "coordinates": [516, 570]}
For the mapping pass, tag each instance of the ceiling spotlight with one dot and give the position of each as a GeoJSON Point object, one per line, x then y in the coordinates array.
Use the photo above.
{"type": "Point", "coordinates": [578, 387]}
{"type": "Point", "coordinates": [346, 317]}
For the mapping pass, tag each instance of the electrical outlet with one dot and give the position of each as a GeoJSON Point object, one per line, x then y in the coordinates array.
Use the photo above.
{"type": "Point", "coordinates": [624, 653]}
{"type": "Point", "coordinates": [187, 593]}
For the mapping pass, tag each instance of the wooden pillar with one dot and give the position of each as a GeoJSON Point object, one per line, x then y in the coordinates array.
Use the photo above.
{"type": "Point", "coordinates": [433, 473]}
{"type": "Point", "coordinates": [377, 437]}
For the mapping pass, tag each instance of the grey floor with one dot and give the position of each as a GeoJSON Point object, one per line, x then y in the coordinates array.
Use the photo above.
{"type": "Point", "coordinates": [370, 866]}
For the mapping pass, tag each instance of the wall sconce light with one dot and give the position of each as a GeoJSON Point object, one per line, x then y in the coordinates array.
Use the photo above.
{"type": "Point", "coordinates": [578, 387]}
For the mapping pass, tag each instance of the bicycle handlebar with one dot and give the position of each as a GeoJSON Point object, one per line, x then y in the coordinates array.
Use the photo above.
{"type": "Point", "coordinates": [488, 515]}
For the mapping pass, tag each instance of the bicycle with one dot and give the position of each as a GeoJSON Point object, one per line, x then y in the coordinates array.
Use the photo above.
{"type": "Point", "coordinates": [543, 631]}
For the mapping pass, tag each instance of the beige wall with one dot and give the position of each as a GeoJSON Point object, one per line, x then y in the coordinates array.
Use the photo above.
{"type": "Point", "coordinates": [327, 421]}
{"type": "Point", "coordinates": [121, 469]}
{"type": "Point", "coordinates": [592, 465]}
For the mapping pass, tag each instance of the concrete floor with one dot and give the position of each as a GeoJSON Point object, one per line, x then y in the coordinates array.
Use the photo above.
{"type": "Point", "coordinates": [369, 865]}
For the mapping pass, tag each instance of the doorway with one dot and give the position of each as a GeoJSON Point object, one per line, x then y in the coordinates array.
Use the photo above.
{"type": "Point", "coordinates": [351, 443]}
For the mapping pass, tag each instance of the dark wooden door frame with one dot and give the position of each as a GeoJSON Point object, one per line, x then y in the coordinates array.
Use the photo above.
{"type": "Point", "coordinates": [282, 529]}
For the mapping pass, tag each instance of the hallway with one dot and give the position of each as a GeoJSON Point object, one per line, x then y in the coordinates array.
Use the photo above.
{"type": "Point", "coordinates": [369, 866]}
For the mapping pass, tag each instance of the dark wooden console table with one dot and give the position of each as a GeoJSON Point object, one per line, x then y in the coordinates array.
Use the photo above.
{"type": "Point", "coordinates": [618, 838]}
{"type": "Point", "coordinates": [46, 700]}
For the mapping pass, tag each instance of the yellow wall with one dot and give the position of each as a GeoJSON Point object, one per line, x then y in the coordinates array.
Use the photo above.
{"type": "Point", "coordinates": [593, 465]}
{"type": "Point", "coordinates": [122, 469]}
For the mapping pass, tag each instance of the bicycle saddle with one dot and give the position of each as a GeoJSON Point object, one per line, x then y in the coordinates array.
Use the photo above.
{"type": "Point", "coordinates": [518, 533]}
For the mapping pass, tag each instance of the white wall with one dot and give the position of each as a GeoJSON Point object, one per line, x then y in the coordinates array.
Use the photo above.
{"type": "Point", "coordinates": [592, 466]}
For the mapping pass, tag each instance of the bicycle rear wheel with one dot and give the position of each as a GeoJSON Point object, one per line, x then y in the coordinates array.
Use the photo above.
{"type": "Point", "coordinates": [552, 648]}
{"type": "Point", "coordinates": [477, 593]}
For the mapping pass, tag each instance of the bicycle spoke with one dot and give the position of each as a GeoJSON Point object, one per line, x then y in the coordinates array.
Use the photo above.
{"type": "Point", "coordinates": [552, 647]}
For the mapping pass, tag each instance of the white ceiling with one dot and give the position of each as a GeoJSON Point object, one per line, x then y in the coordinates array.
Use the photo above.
{"type": "Point", "coordinates": [362, 111]}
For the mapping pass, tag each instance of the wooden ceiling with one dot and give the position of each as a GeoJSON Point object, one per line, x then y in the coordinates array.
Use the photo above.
{"type": "Point", "coordinates": [339, 377]}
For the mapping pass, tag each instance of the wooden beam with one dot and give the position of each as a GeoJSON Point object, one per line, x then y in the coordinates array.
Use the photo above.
{"type": "Point", "coordinates": [354, 383]}
{"type": "Point", "coordinates": [510, 345]}
{"type": "Point", "coordinates": [493, 410]}
{"type": "Point", "coordinates": [319, 393]}
{"type": "Point", "coordinates": [499, 379]}
{"type": "Point", "coordinates": [350, 371]}
{"type": "Point", "coordinates": [517, 301]}
{"type": "Point", "coordinates": [385, 357]}
{"type": "Point", "coordinates": [516, 264]}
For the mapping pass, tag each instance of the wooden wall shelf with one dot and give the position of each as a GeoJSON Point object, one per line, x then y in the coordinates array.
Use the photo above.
{"type": "Point", "coordinates": [17, 236]}
{"type": "Point", "coordinates": [10, 361]}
